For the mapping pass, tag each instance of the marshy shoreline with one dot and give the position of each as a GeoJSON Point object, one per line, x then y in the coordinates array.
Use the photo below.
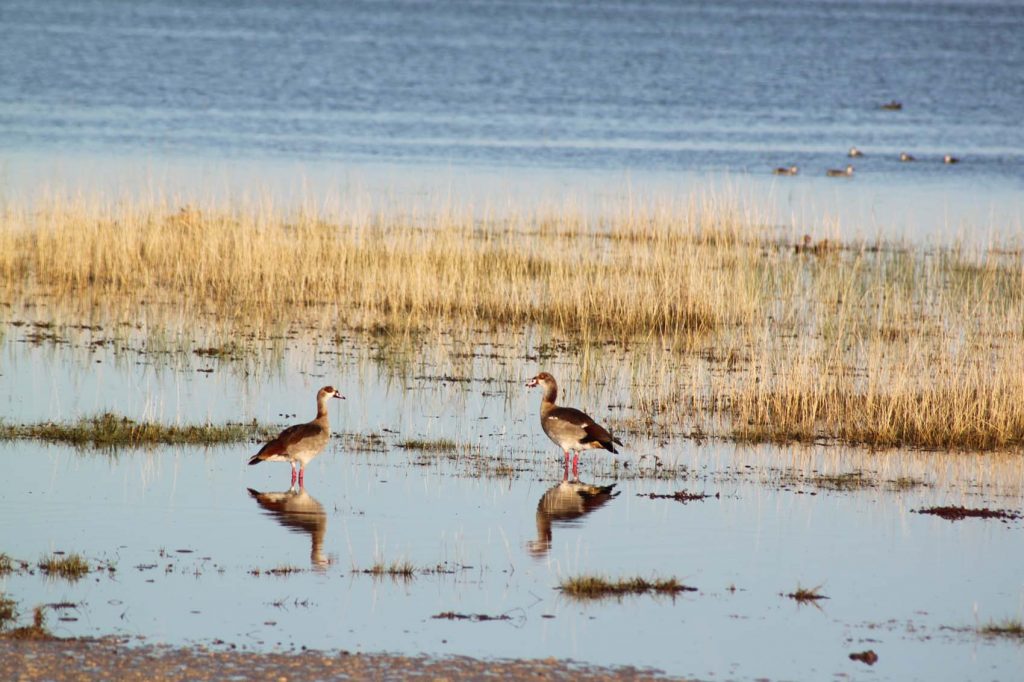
{"type": "Point", "coordinates": [721, 325]}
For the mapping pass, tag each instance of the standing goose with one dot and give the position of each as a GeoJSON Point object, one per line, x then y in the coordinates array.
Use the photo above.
{"type": "Point", "coordinates": [302, 442]}
{"type": "Point", "coordinates": [567, 427]}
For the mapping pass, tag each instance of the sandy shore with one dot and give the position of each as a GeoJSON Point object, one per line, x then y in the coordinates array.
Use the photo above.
{"type": "Point", "coordinates": [110, 659]}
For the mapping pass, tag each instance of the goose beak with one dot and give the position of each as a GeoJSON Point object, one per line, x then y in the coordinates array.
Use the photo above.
{"type": "Point", "coordinates": [532, 382]}
{"type": "Point", "coordinates": [337, 394]}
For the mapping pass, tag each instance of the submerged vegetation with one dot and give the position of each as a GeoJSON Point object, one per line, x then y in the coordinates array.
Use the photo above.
{"type": "Point", "coordinates": [108, 431]}
{"type": "Point", "coordinates": [725, 326]}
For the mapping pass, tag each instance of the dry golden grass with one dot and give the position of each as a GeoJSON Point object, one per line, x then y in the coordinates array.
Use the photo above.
{"type": "Point", "coordinates": [720, 325]}
{"type": "Point", "coordinates": [641, 275]}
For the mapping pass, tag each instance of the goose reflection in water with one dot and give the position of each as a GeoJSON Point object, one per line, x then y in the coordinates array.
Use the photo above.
{"type": "Point", "coordinates": [298, 511]}
{"type": "Point", "coordinates": [566, 503]}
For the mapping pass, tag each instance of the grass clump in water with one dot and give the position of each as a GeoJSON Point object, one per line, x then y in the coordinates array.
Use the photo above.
{"type": "Point", "coordinates": [396, 569]}
{"type": "Point", "coordinates": [806, 594]}
{"type": "Point", "coordinates": [1011, 628]}
{"type": "Point", "coordinates": [71, 567]}
{"type": "Point", "coordinates": [110, 431]}
{"type": "Point", "coordinates": [423, 445]}
{"type": "Point", "coordinates": [597, 587]}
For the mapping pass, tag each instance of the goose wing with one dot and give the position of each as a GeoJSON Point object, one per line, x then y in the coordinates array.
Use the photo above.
{"type": "Point", "coordinates": [286, 440]}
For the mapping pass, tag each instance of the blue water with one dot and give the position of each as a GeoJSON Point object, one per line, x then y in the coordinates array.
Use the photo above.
{"type": "Point", "coordinates": [675, 90]}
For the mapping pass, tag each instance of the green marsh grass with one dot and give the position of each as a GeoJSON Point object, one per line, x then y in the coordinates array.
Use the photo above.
{"type": "Point", "coordinates": [110, 431]}
{"type": "Point", "coordinates": [724, 326]}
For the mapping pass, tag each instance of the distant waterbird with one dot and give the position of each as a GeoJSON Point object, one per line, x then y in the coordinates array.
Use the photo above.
{"type": "Point", "coordinates": [854, 153]}
{"type": "Point", "coordinates": [791, 170]}
{"type": "Point", "coordinates": [906, 157]}
{"type": "Point", "coordinates": [949, 158]}
{"type": "Point", "coordinates": [569, 428]}
{"type": "Point", "coordinates": [839, 173]}
{"type": "Point", "coordinates": [892, 105]}
{"type": "Point", "coordinates": [300, 443]}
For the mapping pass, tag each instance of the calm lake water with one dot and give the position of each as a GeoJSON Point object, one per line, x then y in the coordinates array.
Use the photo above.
{"type": "Point", "coordinates": [483, 100]}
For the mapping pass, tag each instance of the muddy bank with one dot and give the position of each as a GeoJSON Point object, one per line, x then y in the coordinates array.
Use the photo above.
{"type": "Point", "coordinates": [109, 659]}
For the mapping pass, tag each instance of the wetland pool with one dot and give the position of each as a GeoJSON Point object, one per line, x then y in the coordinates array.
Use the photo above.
{"type": "Point", "coordinates": [449, 476]}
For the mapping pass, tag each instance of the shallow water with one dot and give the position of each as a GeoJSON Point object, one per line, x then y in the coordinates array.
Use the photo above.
{"type": "Point", "coordinates": [194, 551]}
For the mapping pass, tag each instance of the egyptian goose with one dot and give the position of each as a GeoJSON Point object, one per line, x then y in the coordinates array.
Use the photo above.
{"type": "Point", "coordinates": [893, 105]}
{"type": "Point", "coordinates": [907, 157]}
{"type": "Point", "coordinates": [298, 511]}
{"type": "Point", "coordinates": [302, 442]}
{"type": "Point", "coordinates": [836, 173]}
{"type": "Point", "coordinates": [949, 158]}
{"type": "Point", "coordinates": [567, 427]}
{"type": "Point", "coordinates": [854, 153]}
{"type": "Point", "coordinates": [565, 503]}
{"type": "Point", "coordinates": [792, 170]}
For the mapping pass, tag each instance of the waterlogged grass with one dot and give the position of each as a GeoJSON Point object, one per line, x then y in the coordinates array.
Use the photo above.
{"type": "Point", "coordinates": [438, 445]}
{"type": "Point", "coordinates": [396, 569]}
{"type": "Point", "coordinates": [725, 328]}
{"type": "Point", "coordinates": [37, 630]}
{"type": "Point", "coordinates": [8, 612]}
{"type": "Point", "coordinates": [597, 587]}
{"type": "Point", "coordinates": [1010, 628]}
{"type": "Point", "coordinates": [72, 567]}
{"type": "Point", "coordinates": [282, 571]}
{"type": "Point", "coordinates": [806, 594]}
{"type": "Point", "coordinates": [110, 431]}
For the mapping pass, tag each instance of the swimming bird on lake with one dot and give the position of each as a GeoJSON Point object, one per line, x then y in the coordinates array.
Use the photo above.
{"type": "Point", "coordinates": [949, 158]}
{"type": "Point", "coordinates": [893, 105]}
{"type": "Point", "coordinates": [302, 442]}
{"type": "Point", "coordinates": [906, 157]}
{"type": "Point", "coordinates": [567, 427]}
{"type": "Point", "coordinates": [836, 173]}
{"type": "Point", "coordinates": [792, 170]}
{"type": "Point", "coordinates": [854, 153]}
